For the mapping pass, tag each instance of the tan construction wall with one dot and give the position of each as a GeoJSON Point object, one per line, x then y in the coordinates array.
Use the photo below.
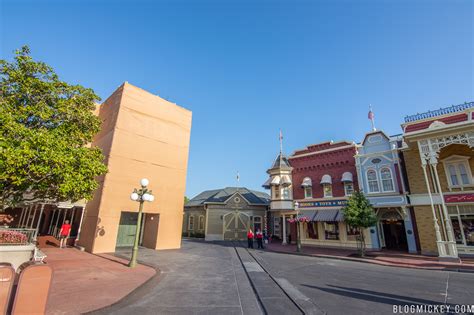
{"type": "Point", "coordinates": [143, 136]}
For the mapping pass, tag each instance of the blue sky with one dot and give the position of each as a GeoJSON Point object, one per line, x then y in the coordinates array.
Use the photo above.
{"type": "Point", "coordinates": [248, 68]}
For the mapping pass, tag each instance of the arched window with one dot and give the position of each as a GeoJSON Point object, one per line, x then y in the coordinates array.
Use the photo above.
{"type": "Point", "coordinates": [372, 181]}
{"type": "Point", "coordinates": [191, 223]}
{"type": "Point", "coordinates": [201, 222]}
{"type": "Point", "coordinates": [387, 181]}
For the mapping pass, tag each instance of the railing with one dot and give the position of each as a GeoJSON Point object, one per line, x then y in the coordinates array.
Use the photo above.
{"type": "Point", "coordinates": [439, 112]}
{"type": "Point", "coordinates": [10, 236]}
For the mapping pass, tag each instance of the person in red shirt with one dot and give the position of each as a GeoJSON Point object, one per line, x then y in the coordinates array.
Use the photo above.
{"type": "Point", "coordinates": [64, 234]}
{"type": "Point", "coordinates": [259, 236]}
{"type": "Point", "coordinates": [250, 238]}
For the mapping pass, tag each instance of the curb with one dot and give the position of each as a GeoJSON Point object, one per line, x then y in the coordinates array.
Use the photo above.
{"type": "Point", "coordinates": [406, 266]}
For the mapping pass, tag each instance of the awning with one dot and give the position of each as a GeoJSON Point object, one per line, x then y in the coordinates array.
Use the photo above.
{"type": "Point", "coordinates": [285, 180]}
{"type": "Point", "coordinates": [266, 185]}
{"type": "Point", "coordinates": [326, 179]}
{"type": "Point", "coordinates": [347, 177]}
{"type": "Point", "coordinates": [307, 182]}
{"type": "Point", "coordinates": [275, 181]}
{"type": "Point", "coordinates": [326, 215]}
{"type": "Point", "coordinates": [339, 217]}
{"type": "Point", "coordinates": [307, 213]}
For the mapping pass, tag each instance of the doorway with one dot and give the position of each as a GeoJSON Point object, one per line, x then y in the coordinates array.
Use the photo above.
{"type": "Point", "coordinates": [128, 228]}
{"type": "Point", "coordinates": [236, 225]}
{"type": "Point", "coordinates": [394, 235]}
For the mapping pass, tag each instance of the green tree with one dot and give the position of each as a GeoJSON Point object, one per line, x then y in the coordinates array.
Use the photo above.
{"type": "Point", "coordinates": [46, 127]}
{"type": "Point", "coordinates": [186, 199]}
{"type": "Point", "coordinates": [359, 214]}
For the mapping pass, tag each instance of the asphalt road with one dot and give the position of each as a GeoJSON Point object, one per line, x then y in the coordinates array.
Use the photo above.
{"type": "Point", "coordinates": [209, 278]}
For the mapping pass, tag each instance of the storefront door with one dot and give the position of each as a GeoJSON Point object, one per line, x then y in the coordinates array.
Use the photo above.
{"type": "Point", "coordinates": [394, 235]}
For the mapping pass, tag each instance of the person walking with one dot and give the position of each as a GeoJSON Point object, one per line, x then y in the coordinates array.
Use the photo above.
{"type": "Point", "coordinates": [259, 236]}
{"type": "Point", "coordinates": [64, 234]}
{"type": "Point", "coordinates": [250, 238]}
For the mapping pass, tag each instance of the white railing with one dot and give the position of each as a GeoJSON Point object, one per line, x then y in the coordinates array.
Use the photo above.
{"type": "Point", "coordinates": [11, 236]}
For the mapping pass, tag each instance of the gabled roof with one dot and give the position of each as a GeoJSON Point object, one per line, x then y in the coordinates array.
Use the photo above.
{"type": "Point", "coordinates": [281, 162]}
{"type": "Point", "coordinates": [222, 195]}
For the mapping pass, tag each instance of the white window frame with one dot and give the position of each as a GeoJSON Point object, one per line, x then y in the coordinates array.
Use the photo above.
{"type": "Point", "coordinates": [456, 160]}
{"type": "Point", "coordinates": [191, 218]}
{"type": "Point", "coordinates": [376, 180]}
{"type": "Point", "coordinates": [306, 189]}
{"type": "Point", "coordinates": [391, 179]}
{"type": "Point", "coordinates": [324, 191]}
{"type": "Point", "coordinates": [286, 193]}
{"type": "Point", "coordinates": [201, 217]}
{"type": "Point", "coordinates": [345, 188]}
{"type": "Point", "coordinates": [277, 192]}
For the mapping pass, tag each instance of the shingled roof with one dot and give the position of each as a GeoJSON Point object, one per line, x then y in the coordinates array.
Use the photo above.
{"type": "Point", "coordinates": [221, 195]}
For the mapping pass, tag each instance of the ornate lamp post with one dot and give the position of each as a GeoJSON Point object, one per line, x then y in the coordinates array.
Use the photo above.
{"type": "Point", "coordinates": [141, 195]}
{"type": "Point", "coordinates": [298, 236]}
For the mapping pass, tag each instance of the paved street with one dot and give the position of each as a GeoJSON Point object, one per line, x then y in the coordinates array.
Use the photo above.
{"type": "Point", "coordinates": [207, 278]}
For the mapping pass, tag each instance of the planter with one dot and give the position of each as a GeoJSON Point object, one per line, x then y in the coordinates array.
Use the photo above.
{"type": "Point", "coordinates": [16, 254]}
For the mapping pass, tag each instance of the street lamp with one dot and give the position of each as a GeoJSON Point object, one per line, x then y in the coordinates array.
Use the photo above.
{"type": "Point", "coordinates": [141, 195]}
{"type": "Point", "coordinates": [298, 237]}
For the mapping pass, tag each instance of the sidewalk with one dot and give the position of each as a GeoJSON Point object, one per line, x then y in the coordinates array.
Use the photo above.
{"type": "Point", "coordinates": [385, 258]}
{"type": "Point", "coordinates": [83, 282]}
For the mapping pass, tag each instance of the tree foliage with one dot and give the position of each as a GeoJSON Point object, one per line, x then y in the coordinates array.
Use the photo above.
{"type": "Point", "coordinates": [46, 126]}
{"type": "Point", "coordinates": [359, 214]}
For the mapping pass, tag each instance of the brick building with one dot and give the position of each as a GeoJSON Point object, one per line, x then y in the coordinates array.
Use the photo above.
{"type": "Point", "coordinates": [439, 157]}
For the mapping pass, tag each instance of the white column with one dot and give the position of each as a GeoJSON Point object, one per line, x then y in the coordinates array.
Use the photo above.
{"type": "Point", "coordinates": [55, 229]}
{"type": "Point", "coordinates": [21, 216]}
{"type": "Point", "coordinates": [453, 251]}
{"type": "Point", "coordinates": [39, 220]}
{"type": "Point", "coordinates": [34, 216]}
{"type": "Point", "coordinates": [284, 230]}
{"type": "Point", "coordinates": [439, 241]}
{"type": "Point", "coordinates": [80, 224]}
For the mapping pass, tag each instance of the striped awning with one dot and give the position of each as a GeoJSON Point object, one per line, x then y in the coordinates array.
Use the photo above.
{"type": "Point", "coordinates": [307, 182]}
{"type": "Point", "coordinates": [310, 214]}
{"type": "Point", "coordinates": [347, 177]}
{"type": "Point", "coordinates": [326, 179]}
{"type": "Point", "coordinates": [326, 215]}
{"type": "Point", "coordinates": [339, 217]}
{"type": "Point", "coordinates": [285, 180]}
{"type": "Point", "coordinates": [275, 181]}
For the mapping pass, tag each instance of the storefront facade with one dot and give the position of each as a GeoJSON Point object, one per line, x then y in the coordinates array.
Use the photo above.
{"type": "Point", "coordinates": [439, 156]}
{"type": "Point", "coordinates": [382, 180]}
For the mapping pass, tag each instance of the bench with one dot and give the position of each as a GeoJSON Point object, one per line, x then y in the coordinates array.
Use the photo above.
{"type": "Point", "coordinates": [38, 255]}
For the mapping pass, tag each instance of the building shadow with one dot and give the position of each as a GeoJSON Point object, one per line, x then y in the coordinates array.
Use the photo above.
{"type": "Point", "coordinates": [374, 296]}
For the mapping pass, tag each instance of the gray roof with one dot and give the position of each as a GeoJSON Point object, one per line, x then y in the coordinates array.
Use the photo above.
{"type": "Point", "coordinates": [221, 195]}
{"type": "Point", "coordinates": [281, 162]}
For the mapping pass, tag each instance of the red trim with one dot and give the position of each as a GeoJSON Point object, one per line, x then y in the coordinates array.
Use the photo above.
{"type": "Point", "coordinates": [459, 198]}
{"type": "Point", "coordinates": [447, 120]}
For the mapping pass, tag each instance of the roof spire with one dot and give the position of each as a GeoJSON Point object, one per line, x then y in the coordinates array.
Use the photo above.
{"type": "Point", "coordinates": [238, 178]}
{"type": "Point", "coordinates": [371, 116]}
{"type": "Point", "coordinates": [281, 142]}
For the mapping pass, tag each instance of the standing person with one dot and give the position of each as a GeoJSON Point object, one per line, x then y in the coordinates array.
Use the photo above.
{"type": "Point", "coordinates": [259, 239]}
{"type": "Point", "coordinates": [250, 238]}
{"type": "Point", "coordinates": [64, 234]}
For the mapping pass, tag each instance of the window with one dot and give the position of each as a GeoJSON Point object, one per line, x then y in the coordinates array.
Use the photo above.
{"type": "Point", "coordinates": [277, 192]}
{"type": "Point", "coordinates": [257, 223]}
{"type": "Point", "coordinates": [308, 192]}
{"type": "Point", "coordinates": [327, 188]}
{"type": "Point", "coordinates": [372, 181]}
{"type": "Point", "coordinates": [312, 230]}
{"type": "Point", "coordinates": [458, 171]}
{"type": "Point", "coordinates": [201, 222]}
{"type": "Point", "coordinates": [387, 182]}
{"type": "Point", "coordinates": [348, 189]}
{"type": "Point", "coordinates": [462, 219]}
{"type": "Point", "coordinates": [191, 223]}
{"type": "Point", "coordinates": [352, 233]}
{"type": "Point", "coordinates": [331, 230]}
{"type": "Point", "coordinates": [286, 193]}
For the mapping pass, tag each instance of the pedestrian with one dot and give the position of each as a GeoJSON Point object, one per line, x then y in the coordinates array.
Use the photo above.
{"type": "Point", "coordinates": [250, 238]}
{"type": "Point", "coordinates": [64, 234]}
{"type": "Point", "coordinates": [259, 239]}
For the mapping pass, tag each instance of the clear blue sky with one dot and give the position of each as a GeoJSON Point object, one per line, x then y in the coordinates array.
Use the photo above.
{"type": "Point", "coordinates": [248, 68]}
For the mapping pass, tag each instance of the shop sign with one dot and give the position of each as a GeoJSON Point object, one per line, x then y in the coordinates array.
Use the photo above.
{"type": "Point", "coordinates": [459, 198]}
{"type": "Point", "coordinates": [325, 203]}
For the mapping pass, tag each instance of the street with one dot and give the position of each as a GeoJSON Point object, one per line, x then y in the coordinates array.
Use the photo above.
{"type": "Point", "coordinates": [211, 278]}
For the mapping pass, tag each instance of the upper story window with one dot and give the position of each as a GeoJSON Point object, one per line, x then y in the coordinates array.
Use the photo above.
{"type": "Point", "coordinates": [348, 189]}
{"type": "Point", "coordinates": [458, 171]}
{"type": "Point", "coordinates": [327, 188]}
{"type": "Point", "coordinates": [276, 192]}
{"type": "Point", "coordinates": [387, 180]}
{"type": "Point", "coordinates": [201, 222]}
{"type": "Point", "coordinates": [372, 181]}
{"type": "Point", "coordinates": [308, 192]}
{"type": "Point", "coordinates": [286, 193]}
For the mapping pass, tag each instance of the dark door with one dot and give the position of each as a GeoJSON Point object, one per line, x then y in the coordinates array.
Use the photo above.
{"type": "Point", "coordinates": [394, 234]}
{"type": "Point", "coordinates": [127, 229]}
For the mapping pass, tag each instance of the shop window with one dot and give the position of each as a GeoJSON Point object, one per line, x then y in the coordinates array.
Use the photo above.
{"type": "Point", "coordinates": [348, 189]}
{"type": "Point", "coordinates": [312, 230]}
{"type": "Point", "coordinates": [372, 180]}
{"type": "Point", "coordinates": [191, 223]}
{"type": "Point", "coordinates": [462, 219]}
{"type": "Point", "coordinates": [458, 171]}
{"type": "Point", "coordinates": [331, 230]}
{"type": "Point", "coordinates": [387, 180]}
{"type": "Point", "coordinates": [257, 223]}
{"type": "Point", "coordinates": [308, 192]}
{"type": "Point", "coordinates": [352, 233]}
{"type": "Point", "coordinates": [201, 222]}
{"type": "Point", "coordinates": [327, 188]}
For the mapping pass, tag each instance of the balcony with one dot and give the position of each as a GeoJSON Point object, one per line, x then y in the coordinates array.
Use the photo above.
{"type": "Point", "coordinates": [439, 112]}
